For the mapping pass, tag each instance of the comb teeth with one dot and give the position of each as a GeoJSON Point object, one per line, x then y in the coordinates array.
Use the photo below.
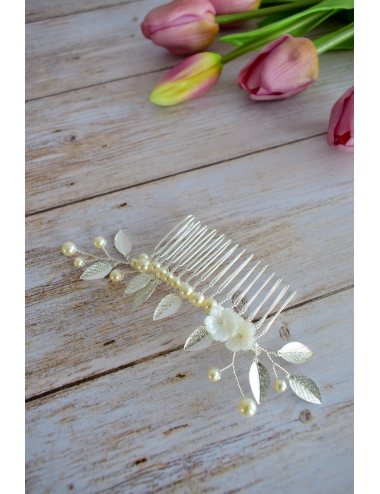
{"type": "Point", "coordinates": [198, 253]}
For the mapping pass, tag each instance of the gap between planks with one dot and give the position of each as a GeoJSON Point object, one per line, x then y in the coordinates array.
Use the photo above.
{"type": "Point", "coordinates": [73, 90]}
{"type": "Point", "coordinates": [183, 172]}
{"type": "Point", "coordinates": [168, 351]}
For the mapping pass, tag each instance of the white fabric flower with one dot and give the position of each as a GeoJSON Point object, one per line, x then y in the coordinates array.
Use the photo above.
{"type": "Point", "coordinates": [244, 338]}
{"type": "Point", "coordinates": [221, 323]}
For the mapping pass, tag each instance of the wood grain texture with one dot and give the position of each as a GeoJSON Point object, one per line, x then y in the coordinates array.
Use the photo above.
{"type": "Point", "coordinates": [162, 427]}
{"type": "Point", "coordinates": [95, 47]}
{"type": "Point", "coordinates": [114, 404]}
{"type": "Point", "coordinates": [37, 10]}
{"type": "Point", "coordinates": [299, 221]}
{"type": "Point", "coordinates": [111, 132]}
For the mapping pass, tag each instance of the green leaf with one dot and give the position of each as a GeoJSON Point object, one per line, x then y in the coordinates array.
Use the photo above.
{"type": "Point", "coordinates": [274, 18]}
{"type": "Point", "coordinates": [270, 30]}
{"type": "Point", "coordinates": [348, 44]}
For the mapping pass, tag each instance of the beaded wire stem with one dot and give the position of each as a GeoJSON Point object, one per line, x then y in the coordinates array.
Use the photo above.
{"type": "Point", "coordinates": [192, 253]}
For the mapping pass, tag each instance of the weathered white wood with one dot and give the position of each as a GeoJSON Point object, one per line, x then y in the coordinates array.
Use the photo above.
{"type": "Point", "coordinates": [299, 221]}
{"type": "Point", "coordinates": [94, 47]}
{"type": "Point", "coordinates": [37, 10]}
{"type": "Point", "coordinates": [161, 426]}
{"type": "Point", "coordinates": [99, 139]}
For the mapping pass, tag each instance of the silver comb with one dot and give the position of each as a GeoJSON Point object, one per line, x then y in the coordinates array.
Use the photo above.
{"type": "Point", "coordinates": [241, 297]}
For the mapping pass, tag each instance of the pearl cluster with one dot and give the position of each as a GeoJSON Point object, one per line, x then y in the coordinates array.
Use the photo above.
{"type": "Point", "coordinates": [70, 249]}
{"type": "Point", "coordinates": [144, 264]}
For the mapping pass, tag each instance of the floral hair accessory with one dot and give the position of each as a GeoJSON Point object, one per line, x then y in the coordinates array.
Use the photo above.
{"type": "Point", "coordinates": [240, 302]}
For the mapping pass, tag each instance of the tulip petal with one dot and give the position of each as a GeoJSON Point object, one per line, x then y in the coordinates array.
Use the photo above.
{"type": "Point", "coordinates": [284, 67]}
{"type": "Point", "coordinates": [182, 26]}
{"type": "Point", "coordinates": [341, 124]}
{"type": "Point", "coordinates": [187, 80]}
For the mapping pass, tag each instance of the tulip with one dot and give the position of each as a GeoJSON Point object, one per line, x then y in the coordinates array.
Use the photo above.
{"type": "Point", "coordinates": [189, 79]}
{"type": "Point", "coordinates": [282, 68]}
{"type": "Point", "coordinates": [341, 124]}
{"type": "Point", "coordinates": [233, 6]}
{"type": "Point", "coordinates": [183, 27]}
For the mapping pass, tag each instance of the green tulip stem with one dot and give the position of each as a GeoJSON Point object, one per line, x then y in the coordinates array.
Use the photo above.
{"type": "Point", "coordinates": [339, 36]}
{"type": "Point", "coordinates": [261, 41]}
{"type": "Point", "coordinates": [265, 12]}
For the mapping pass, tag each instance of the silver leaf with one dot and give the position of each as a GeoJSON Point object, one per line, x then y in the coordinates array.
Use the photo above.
{"type": "Point", "coordinates": [144, 293]}
{"type": "Point", "coordinates": [137, 283]}
{"type": "Point", "coordinates": [123, 243]}
{"type": "Point", "coordinates": [97, 271]}
{"type": "Point", "coordinates": [198, 340]}
{"type": "Point", "coordinates": [295, 352]}
{"type": "Point", "coordinates": [259, 380]}
{"type": "Point", "coordinates": [167, 307]}
{"type": "Point", "coordinates": [305, 388]}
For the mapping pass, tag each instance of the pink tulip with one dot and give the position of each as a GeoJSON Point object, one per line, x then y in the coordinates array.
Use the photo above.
{"type": "Point", "coordinates": [188, 79]}
{"type": "Point", "coordinates": [341, 124]}
{"type": "Point", "coordinates": [284, 67]}
{"type": "Point", "coordinates": [183, 27]}
{"type": "Point", "coordinates": [234, 6]}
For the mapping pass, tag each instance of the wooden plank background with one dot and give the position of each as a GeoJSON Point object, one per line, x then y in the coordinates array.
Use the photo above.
{"type": "Point", "coordinates": [113, 402]}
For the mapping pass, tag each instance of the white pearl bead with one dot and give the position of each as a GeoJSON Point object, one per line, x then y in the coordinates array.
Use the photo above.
{"type": "Point", "coordinates": [134, 263]}
{"type": "Point", "coordinates": [99, 242]}
{"type": "Point", "coordinates": [280, 385]}
{"type": "Point", "coordinates": [69, 249]}
{"type": "Point", "coordinates": [79, 262]}
{"type": "Point", "coordinates": [185, 290]}
{"type": "Point", "coordinates": [116, 275]}
{"type": "Point", "coordinates": [175, 282]}
{"type": "Point", "coordinates": [197, 299]}
{"type": "Point", "coordinates": [162, 272]}
{"type": "Point", "coordinates": [209, 304]}
{"type": "Point", "coordinates": [143, 256]}
{"type": "Point", "coordinates": [143, 265]}
{"type": "Point", "coordinates": [154, 266]}
{"type": "Point", "coordinates": [214, 374]}
{"type": "Point", "coordinates": [247, 407]}
{"type": "Point", "coordinates": [169, 277]}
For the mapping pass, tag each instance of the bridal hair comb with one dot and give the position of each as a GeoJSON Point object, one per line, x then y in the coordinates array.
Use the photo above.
{"type": "Point", "coordinates": [208, 270]}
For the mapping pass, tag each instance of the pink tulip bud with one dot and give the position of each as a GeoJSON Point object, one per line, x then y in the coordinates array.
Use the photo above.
{"type": "Point", "coordinates": [234, 6]}
{"type": "Point", "coordinates": [284, 67]}
{"type": "Point", "coordinates": [182, 26]}
{"type": "Point", "coordinates": [341, 124]}
{"type": "Point", "coordinates": [189, 79]}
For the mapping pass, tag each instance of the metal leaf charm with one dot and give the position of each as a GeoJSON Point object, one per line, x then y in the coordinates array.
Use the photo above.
{"type": "Point", "coordinates": [198, 340]}
{"type": "Point", "coordinates": [97, 271]}
{"type": "Point", "coordinates": [259, 380]}
{"type": "Point", "coordinates": [167, 307]}
{"type": "Point", "coordinates": [137, 283]}
{"type": "Point", "coordinates": [123, 243]}
{"type": "Point", "coordinates": [305, 388]}
{"type": "Point", "coordinates": [144, 293]}
{"type": "Point", "coordinates": [296, 353]}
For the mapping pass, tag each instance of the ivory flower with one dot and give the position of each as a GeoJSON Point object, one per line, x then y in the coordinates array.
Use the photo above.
{"type": "Point", "coordinates": [221, 323]}
{"type": "Point", "coordinates": [244, 338]}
